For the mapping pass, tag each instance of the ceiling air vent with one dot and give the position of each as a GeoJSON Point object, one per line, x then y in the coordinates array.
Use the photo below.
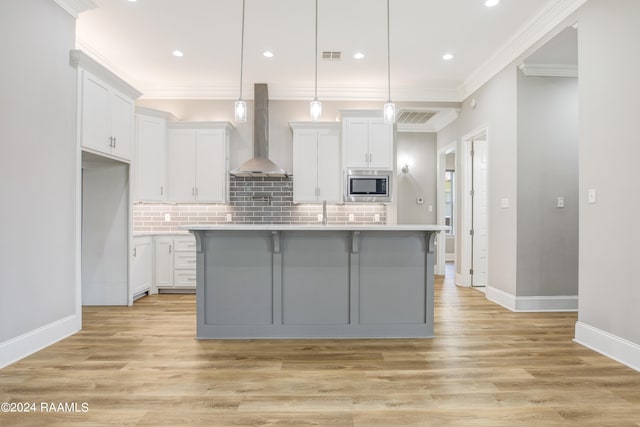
{"type": "Point", "coordinates": [330, 55]}
{"type": "Point", "coordinates": [414, 117]}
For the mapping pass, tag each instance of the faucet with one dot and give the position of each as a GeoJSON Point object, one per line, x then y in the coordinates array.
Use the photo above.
{"type": "Point", "coordinates": [324, 212]}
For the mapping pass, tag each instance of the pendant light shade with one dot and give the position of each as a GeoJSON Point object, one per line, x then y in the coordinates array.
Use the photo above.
{"type": "Point", "coordinates": [241, 106]}
{"type": "Point", "coordinates": [315, 108]}
{"type": "Point", "coordinates": [389, 107]}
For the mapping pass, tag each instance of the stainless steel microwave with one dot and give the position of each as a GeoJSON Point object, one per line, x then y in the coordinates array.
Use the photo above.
{"type": "Point", "coordinates": [367, 185]}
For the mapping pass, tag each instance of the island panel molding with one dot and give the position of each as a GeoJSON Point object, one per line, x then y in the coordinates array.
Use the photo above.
{"type": "Point", "coordinates": [288, 281]}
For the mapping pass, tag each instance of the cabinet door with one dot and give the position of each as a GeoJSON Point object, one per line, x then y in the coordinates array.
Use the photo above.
{"type": "Point", "coordinates": [329, 168]}
{"type": "Point", "coordinates": [164, 261]}
{"type": "Point", "coordinates": [356, 150]}
{"type": "Point", "coordinates": [182, 154]}
{"type": "Point", "coordinates": [122, 125]}
{"type": "Point", "coordinates": [151, 158]}
{"type": "Point", "coordinates": [305, 166]}
{"type": "Point", "coordinates": [141, 265]}
{"type": "Point", "coordinates": [211, 166]}
{"type": "Point", "coordinates": [95, 131]}
{"type": "Point", "coordinates": [380, 144]}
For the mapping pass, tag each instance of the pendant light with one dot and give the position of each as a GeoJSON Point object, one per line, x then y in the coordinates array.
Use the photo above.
{"type": "Point", "coordinates": [389, 107]}
{"type": "Point", "coordinates": [315, 107]}
{"type": "Point", "coordinates": [241, 106]}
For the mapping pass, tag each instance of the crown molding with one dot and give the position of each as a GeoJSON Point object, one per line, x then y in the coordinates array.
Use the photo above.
{"type": "Point", "coordinates": [533, 32]}
{"type": "Point", "coordinates": [75, 7]}
{"type": "Point", "coordinates": [549, 70]}
{"type": "Point", "coordinates": [79, 59]}
{"type": "Point", "coordinates": [278, 92]}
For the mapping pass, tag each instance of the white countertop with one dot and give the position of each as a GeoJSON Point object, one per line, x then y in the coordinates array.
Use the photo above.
{"type": "Point", "coordinates": [313, 227]}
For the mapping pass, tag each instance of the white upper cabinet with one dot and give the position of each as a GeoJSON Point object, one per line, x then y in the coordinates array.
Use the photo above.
{"type": "Point", "coordinates": [317, 171]}
{"type": "Point", "coordinates": [151, 155]}
{"type": "Point", "coordinates": [198, 161]}
{"type": "Point", "coordinates": [367, 140]}
{"type": "Point", "coordinates": [105, 110]}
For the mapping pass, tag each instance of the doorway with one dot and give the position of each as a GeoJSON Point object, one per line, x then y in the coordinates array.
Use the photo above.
{"type": "Point", "coordinates": [475, 206]}
{"type": "Point", "coordinates": [446, 207]}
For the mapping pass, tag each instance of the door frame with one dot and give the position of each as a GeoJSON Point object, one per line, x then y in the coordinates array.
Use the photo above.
{"type": "Point", "coordinates": [464, 240]}
{"type": "Point", "coordinates": [441, 237]}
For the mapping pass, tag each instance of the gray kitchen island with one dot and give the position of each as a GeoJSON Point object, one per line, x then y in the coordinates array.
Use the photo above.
{"type": "Point", "coordinates": [308, 281]}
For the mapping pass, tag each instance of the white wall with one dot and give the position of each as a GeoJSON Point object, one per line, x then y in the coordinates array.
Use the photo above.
{"type": "Point", "coordinates": [609, 307]}
{"type": "Point", "coordinates": [38, 298]}
{"type": "Point", "coordinates": [419, 150]}
{"type": "Point", "coordinates": [547, 168]}
{"type": "Point", "coordinates": [496, 109]}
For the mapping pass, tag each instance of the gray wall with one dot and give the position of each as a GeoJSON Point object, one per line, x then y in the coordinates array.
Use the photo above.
{"type": "Point", "coordinates": [421, 151]}
{"type": "Point", "coordinates": [37, 167]}
{"type": "Point", "coordinates": [547, 168]}
{"type": "Point", "coordinates": [496, 109]}
{"type": "Point", "coordinates": [609, 151]}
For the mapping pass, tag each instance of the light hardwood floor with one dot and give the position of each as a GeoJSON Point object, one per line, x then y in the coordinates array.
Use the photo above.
{"type": "Point", "coordinates": [486, 367]}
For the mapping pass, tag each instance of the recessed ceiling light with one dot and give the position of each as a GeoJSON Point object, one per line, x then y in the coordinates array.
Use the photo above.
{"type": "Point", "coordinates": [133, 1]}
{"type": "Point", "coordinates": [358, 55]}
{"type": "Point", "coordinates": [447, 56]}
{"type": "Point", "coordinates": [267, 54]}
{"type": "Point", "coordinates": [178, 53]}
{"type": "Point", "coordinates": [491, 3]}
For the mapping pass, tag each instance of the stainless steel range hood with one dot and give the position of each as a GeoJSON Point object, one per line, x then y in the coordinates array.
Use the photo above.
{"type": "Point", "coordinates": [260, 165]}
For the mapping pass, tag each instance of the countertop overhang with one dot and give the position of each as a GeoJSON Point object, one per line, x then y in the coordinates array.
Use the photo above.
{"type": "Point", "coordinates": [319, 227]}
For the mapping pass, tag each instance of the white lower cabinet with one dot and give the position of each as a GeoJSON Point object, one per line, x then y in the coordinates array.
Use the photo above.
{"type": "Point", "coordinates": [142, 265]}
{"type": "Point", "coordinates": [175, 263]}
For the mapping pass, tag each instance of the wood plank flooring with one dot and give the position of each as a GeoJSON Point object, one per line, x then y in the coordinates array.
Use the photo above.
{"type": "Point", "coordinates": [141, 366]}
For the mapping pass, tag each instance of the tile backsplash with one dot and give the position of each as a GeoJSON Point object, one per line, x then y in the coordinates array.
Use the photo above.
{"type": "Point", "coordinates": [254, 200]}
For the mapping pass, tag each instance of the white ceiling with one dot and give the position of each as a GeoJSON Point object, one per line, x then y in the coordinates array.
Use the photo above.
{"type": "Point", "coordinates": [135, 40]}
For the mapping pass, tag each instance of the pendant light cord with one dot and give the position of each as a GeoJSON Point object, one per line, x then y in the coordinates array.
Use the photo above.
{"type": "Point", "coordinates": [242, 50]}
{"type": "Point", "coordinates": [388, 55]}
{"type": "Point", "coordinates": [315, 93]}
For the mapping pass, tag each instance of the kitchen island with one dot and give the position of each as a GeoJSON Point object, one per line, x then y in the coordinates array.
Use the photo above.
{"type": "Point", "coordinates": [314, 281]}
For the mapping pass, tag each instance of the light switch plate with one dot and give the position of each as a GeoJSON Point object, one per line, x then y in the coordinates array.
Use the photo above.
{"type": "Point", "coordinates": [560, 203]}
{"type": "Point", "coordinates": [592, 196]}
{"type": "Point", "coordinates": [319, 217]}
{"type": "Point", "coordinates": [504, 203]}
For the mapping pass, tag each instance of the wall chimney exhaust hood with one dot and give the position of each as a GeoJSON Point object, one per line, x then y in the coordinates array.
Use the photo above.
{"type": "Point", "coordinates": [260, 165]}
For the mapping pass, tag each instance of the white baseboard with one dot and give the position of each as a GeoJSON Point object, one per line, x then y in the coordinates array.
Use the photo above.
{"type": "Point", "coordinates": [612, 346]}
{"type": "Point", "coordinates": [532, 303]}
{"type": "Point", "coordinates": [28, 343]}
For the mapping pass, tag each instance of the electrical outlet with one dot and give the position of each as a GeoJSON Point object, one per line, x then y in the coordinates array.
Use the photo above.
{"type": "Point", "coordinates": [376, 217]}
{"type": "Point", "coordinates": [167, 217]}
{"type": "Point", "coordinates": [430, 208]}
{"type": "Point", "coordinates": [351, 218]}
{"type": "Point", "coordinates": [504, 203]}
{"type": "Point", "coordinates": [229, 217]}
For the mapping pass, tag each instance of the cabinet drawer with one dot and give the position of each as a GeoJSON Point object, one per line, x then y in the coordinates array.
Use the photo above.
{"type": "Point", "coordinates": [184, 260]}
{"type": "Point", "coordinates": [185, 244]}
{"type": "Point", "coordinates": [185, 278]}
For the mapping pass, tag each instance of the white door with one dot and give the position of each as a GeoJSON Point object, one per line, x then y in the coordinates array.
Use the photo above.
{"type": "Point", "coordinates": [305, 166]}
{"type": "Point", "coordinates": [122, 125]}
{"type": "Point", "coordinates": [210, 159]}
{"type": "Point", "coordinates": [329, 169]}
{"type": "Point", "coordinates": [356, 143]}
{"type": "Point", "coordinates": [380, 145]}
{"type": "Point", "coordinates": [141, 265]}
{"type": "Point", "coordinates": [182, 154]}
{"type": "Point", "coordinates": [480, 217]}
{"type": "Point", "coordinates": [95, 131]}
{"type": "Point", "coordinates": [151, 159]}
{"type": "Point", "coordinates": [164, 261]}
